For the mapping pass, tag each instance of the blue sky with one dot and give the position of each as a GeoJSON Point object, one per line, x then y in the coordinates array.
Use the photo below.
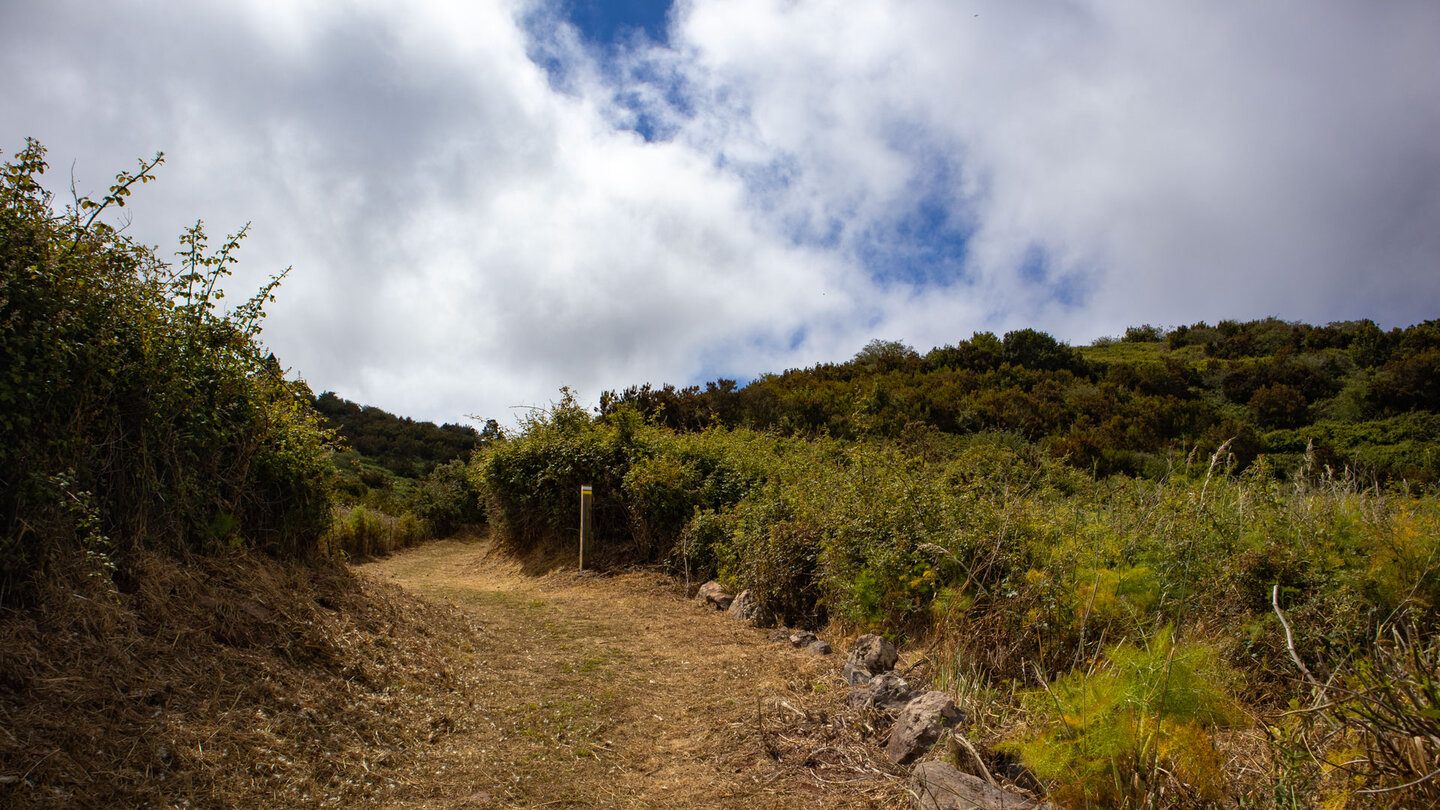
{"type": "Point", "coordinates": [607, 22]}
{"type": "Point", "coordinates": [485, 201]}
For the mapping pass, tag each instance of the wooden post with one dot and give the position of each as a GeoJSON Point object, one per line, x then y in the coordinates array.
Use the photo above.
{"type": "Point", "coordinates": [585, 496]}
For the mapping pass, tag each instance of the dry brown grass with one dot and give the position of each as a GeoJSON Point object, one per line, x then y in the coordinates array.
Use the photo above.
{"type": "Point", "coordinates": [232, 681]}
{"type": "Point", "coordinates": [239, 681]}
{"type": "Point", "coordinates": [617, 691]}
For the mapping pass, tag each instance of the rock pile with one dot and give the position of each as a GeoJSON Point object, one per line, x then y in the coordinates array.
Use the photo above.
{"type": "Point", "coordinates": [917, 719]}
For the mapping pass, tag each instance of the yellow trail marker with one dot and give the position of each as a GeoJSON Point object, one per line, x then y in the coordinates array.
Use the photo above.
{"type": "Point", "coordinates": [585, 496]}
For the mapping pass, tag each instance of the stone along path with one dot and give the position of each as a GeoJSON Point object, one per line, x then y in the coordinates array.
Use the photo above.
{"type": "Point", "coordinates": [617, 691]}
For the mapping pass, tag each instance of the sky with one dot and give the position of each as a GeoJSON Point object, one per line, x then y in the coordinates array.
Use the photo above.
{"type": "Point", "coordinates": [484, 201]}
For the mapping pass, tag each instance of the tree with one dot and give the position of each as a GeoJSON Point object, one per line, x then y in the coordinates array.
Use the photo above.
{"type": "Point", "coordinates": [1037, 350]}
{"type": "Point", "coordinates": [884, 355]}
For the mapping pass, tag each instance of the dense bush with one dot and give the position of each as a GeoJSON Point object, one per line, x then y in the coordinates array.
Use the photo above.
{"type": "Point", "coordinates": [1021, 567]}
{"type": "Point", "coordinates": [132, 412]}
{"type": "Point", "coordinates": [1135, 406]}
{"type": "Point", "coordinates": [446, 500]}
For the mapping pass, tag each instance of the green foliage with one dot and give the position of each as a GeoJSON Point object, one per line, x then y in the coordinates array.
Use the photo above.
{"type": "Point", "coordinates": [1112, 737]}
{"type": "Point", "coordinates": [661, 493]}
{"type": "Point", "coordinates": [446, 501]}
{"type": "Point", "coordinates": [1144, 334]}
{"type": "Point", "coordinates": [124, 390]}
{"type": "Point", "coordinates": [359, 532]}
{"type": "Point", "coordinates": [884, 355]}
{"type": "Point", "coordinates": [1136, 406]}
{"type": "Point", "coordinates": [404, 446]}
{"type": "Point", "coordinates": [532, 481]}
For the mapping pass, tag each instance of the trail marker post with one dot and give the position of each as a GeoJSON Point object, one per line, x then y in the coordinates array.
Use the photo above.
{"type": "Point", "coordinates": [585, 496]}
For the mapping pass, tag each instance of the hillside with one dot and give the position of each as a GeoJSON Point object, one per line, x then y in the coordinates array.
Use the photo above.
{"type": "Point", "coordinates": [1132, 556]}
{"type": "Point", "coordinates": [402, 446]}
{"type": "Point", "coordinates": [1357, 396]}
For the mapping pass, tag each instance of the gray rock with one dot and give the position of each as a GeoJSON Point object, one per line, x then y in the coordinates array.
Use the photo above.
{"type": "Point", "coordinates": [891, 691]}
{"type": "Point", "coordinates": [855, 675]}
{"type": "Point", "coordinates": [873, 654]}
{"type": "Point", "coordinates": [713, 595]}
{"type": "Point", "coordinates": [886, 692]}
{"type": "Point", "coordinates": [919, 726]}
{"type": "Point", "coordinates": [861, 698]}
{"type": "Point", "coordinates": [939, 786]}
{"type": "Point", "coordinates": [746, 608]}
{"type": "Point", "coordinates": [818, 647]}
{"type": "Point", "coordinates": [780, 635]}
{"type": "Point", "coordinates": [802, 638]}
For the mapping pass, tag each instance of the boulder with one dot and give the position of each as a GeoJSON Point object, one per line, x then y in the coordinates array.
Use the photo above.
{"type": "Point", "coordinates": [747, 608]}
{"type": "Point", "coordinates": [802, 638]}
{"type": "Point", "coordinates": [940, 786]}
{"type": "Point", "coordinates": [873, 654]}
{"type": "Point", "coordinates": [818, 647]}
{"type": "Point", "coordinates": [855, 675]}
{"type": "Point", "coordinates": [919, 726]}
{"type": "Point", "coordinates": [713, 595]}
{"type": "Point", "coordinates": [886, 692]}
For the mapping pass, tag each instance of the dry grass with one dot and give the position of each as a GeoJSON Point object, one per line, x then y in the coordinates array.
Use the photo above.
{"type": "Point", "coordinates": [234, 681]}
{"type": "Point", "coordinates": [242, 682]}
{"type": "Point", "coordinates": [618, 691]}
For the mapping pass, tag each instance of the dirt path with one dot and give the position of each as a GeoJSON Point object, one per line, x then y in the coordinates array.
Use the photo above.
{"type": "Point", "coordinates": [618, 692]}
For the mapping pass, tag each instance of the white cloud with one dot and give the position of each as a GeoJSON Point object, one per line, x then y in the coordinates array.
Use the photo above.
{"type": "Point", "coordinates": [470, 233]}
{"type": "Point", "coordinates": [1220, 160]}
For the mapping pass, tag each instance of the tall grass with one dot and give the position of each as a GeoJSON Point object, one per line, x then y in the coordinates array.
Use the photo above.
{"type": "Point", "coordinates": [360, 532]}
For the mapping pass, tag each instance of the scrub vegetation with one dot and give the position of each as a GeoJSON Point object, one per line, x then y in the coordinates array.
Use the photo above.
{"type": "Point", "coordinates": [135, 414]}
{"type": "Point", "coordinates": [1180, 568]}
{"type": "Point", "coordinates": [401, 481]}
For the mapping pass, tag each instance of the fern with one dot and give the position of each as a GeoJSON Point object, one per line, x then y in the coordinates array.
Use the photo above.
{"type": "Point", "coordinates": [1143, 717]}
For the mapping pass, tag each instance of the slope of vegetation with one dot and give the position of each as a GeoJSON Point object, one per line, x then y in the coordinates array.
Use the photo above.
{"type": "Point", "coordinates": [135, 415]}
{"type": "Point", "coordinates": [1365, 398]}
{"type": "Point", "coordinates": [403, 446]}
{"type": "Point", "coordinates": [1142, 561]}
{"type": "Point", "coordinates": [401, 482]}
{"type": "Point", "coordinates": [174, 630]}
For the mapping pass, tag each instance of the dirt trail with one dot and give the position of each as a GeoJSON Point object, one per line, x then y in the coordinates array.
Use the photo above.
{"type": "Point", "coordinates": [619, 692]}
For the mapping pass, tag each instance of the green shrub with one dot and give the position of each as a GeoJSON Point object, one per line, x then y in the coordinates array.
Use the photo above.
{"type": "Point", "coordinates": [661, 493]}
{"type": "Point", "coordinates": [446, 500]}
{"type": "Point", "coordinates": [132, 412]}
{"type": "Point", "coordinates": [1139, 722]}
{"type": "Point", "coordinates": [359, 532]}
{"type": "Point", "coordinates": [532, 481]}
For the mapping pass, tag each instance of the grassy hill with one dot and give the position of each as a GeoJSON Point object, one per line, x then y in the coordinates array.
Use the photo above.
{"type": "Point", "coordinates": [1365, 399]}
